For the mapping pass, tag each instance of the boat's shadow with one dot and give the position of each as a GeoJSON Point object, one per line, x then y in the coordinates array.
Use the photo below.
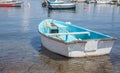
{"type": "Point", "coordinates": [36, 43]}
{"type": "Point", "coordinates": [44, 51]}
{"type": "Point", "coordinates": [61, 64]}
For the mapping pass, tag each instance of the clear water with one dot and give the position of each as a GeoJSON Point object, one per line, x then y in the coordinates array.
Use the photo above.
{"type": "Point", "coordinates": [20, 43]}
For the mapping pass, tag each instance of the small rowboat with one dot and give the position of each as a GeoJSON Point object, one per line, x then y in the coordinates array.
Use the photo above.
{"type": "Point", "coordinates": [11, 3]}
{"type": "Point", "coordinates": [73, 41]}
{"type": "Point", "coordinates": [58, 5]}
{"type": "Point", "coordinates": [62, 6]}
{"type": "Point", "coordinates": [103, 1]}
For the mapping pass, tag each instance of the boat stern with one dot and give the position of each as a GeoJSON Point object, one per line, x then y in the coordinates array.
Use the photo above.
{"type": "Point", "coordinates": [99, 47]}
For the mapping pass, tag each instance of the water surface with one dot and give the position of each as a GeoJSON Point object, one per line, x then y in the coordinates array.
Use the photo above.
{"type": "Point", "coordinates": [20, 43]}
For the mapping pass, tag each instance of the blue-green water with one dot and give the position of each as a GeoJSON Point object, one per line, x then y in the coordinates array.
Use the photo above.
{"type": "Point", "coordinates": [20, 45]}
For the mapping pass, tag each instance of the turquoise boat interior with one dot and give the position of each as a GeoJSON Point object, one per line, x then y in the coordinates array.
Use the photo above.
{"type": "Point", "coordinates": [68, 32]}
{"type": "Point", "coordinates": [56, 2]}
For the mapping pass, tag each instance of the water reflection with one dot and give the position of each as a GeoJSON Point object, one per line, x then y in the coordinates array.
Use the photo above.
{"type": "Point", "coordinates": [54, 11]}
{"type": "Point", "coordinates": [26, 17]}
{"type": "Point", "coordinates": [8, 12]}
{"type": "Point", "coordinates": [60, 64]}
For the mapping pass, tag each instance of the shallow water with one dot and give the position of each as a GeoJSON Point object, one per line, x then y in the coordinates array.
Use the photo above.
{"type": "Point", "coordinates": [20, 45]}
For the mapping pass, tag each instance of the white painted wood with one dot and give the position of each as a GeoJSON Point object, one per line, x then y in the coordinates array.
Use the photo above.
{"type": "Point", "coordinates": [64, 5]}
{"type": "Point", "coordinates": [91, 45]}
{"type": "Point", "coordinates": [103, 1]}
{"type": "Point", "coordinates": [76, 50]}
{"type": "Point", "coordinates": [68, 33]}
{"type": "Point", "coordinates": [55, 46]}
{"type": "Point", "coordinates": [91, 48]}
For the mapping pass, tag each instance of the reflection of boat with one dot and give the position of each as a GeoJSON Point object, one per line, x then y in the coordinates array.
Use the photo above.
{"type": "Point", "coordinates": [61, 10]}
{"type": "Point", "coordinates": [60, 64]}
{"type": "Point", "coordinates": [103, 1]}
{"type": "Point", "coordinates": [10, 3]}
{"type": "Point", "coordinates": [56, 11]}
{"type": "Point", "coordinates": [73, 41]}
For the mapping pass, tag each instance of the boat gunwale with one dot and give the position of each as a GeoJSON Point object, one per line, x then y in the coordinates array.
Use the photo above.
{"type": "Point", "coordinates": [108, 39]}
{"type": "Point", "coordinates": [77, 41]}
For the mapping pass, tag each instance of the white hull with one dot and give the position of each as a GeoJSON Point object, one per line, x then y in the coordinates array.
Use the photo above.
{"type": "Point", "coordinates": [77, 49]}
{"type": "Point", "coordinates": [10, 3]}
{"type": "Point", "coordinates": [64, 6]}
{"type": "Point", "coordinates": [103, 1]}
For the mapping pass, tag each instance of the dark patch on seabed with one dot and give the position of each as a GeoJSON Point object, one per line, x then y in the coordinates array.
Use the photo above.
{"type": "Point", "coordinates": [20, 44]}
